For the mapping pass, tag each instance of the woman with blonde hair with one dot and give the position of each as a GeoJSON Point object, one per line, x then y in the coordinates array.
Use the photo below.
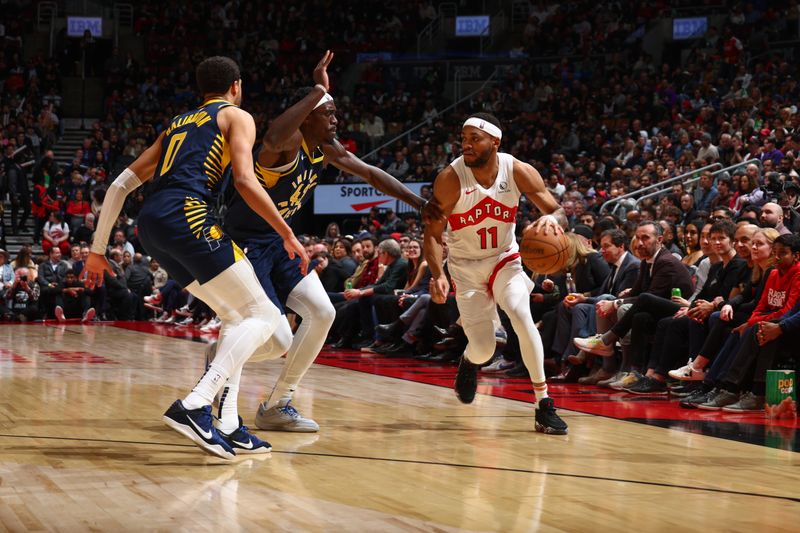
{"type": "Point", "coordinates": [737, 310]}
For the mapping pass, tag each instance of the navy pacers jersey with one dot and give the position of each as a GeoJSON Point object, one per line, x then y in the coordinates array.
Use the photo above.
{"type": "Point", "coordinates": [177, 222]}
{"type": "Point", "coordinates": [290, 187]}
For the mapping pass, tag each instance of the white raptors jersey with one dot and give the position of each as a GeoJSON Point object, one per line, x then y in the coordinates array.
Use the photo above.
{"type": "Point", "coordinates": [483, 221]}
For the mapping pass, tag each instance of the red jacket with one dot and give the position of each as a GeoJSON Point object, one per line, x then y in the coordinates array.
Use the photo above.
{"type": "Point", "coordinates": [779, 296]}
{"type": "Point", "coordinates": [42, 204]}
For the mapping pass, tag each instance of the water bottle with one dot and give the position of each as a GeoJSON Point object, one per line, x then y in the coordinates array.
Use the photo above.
{"type": "Point", "coordinates": [571, 289]}
{"type": "Point", "coordinates": [348, 284]}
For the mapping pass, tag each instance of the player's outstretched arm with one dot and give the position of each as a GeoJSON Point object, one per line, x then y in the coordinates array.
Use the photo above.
{"type": "Point", "coordinates": [531, 184]}
{"type": "Point", "coordinates": [283, 134]}
{"type": "Point", "coordinates": [138, 172]}
{"type": "Point", "coordinates": [240, 131]}
{"type": "Point", "coordinates": [446, 191]}
{"type": "Point", "coordinates": [338, 156]}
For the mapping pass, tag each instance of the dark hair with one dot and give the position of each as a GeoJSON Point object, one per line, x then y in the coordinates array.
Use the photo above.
{"type": "Point", "coordinates": [724, 226]}
{"type": "Point", "coordinates": [347, 246]}
{"type": "Point", "coordinates": [368, 238]}
{"type": "Point", "coordinates": [727, 210]}
{"type": "Point", "coordinates": [790, 240]}
{"type": "Point", "coordinates": [488, 117]}
{"type": "Point", "coordinates": [656, 226]}
{"type": "Point", "coordinates": [603, 225]}
{"type": "Point", "coordinates": [617, 236]}
{"type": "Point", "coordinates": [216, 74]}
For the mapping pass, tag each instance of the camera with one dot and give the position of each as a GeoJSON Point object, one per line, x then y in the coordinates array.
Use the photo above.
{"type": "Point", "coordinates": [23, 278]}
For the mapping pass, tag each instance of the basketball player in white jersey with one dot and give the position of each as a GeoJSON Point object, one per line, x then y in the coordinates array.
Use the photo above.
{"type": "Point", "coordinates": [479, 194]}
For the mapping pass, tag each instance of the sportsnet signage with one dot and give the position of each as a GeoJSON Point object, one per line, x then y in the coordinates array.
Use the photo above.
{"type": "Point", "coordinates": [357, 199]}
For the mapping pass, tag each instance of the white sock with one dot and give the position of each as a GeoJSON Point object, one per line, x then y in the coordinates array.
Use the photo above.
{"type": "Point", "coordinates": [205, 390]}
{"type": "Point", "coordinates": [228, 404]}
{"type": "Point", "coordinates": [540, 392]}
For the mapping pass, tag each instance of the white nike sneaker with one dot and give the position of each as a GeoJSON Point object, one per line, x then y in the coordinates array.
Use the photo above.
{"type": "Point", "coordinates": [688, 373]}
{"type": "Point", "coordinates": [284, 418]}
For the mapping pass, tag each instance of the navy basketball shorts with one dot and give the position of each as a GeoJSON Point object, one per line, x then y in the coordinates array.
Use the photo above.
{"type": "Point", "coordinates": [183, 235]}
{"type": "Point", "coordinates": [277, 274]}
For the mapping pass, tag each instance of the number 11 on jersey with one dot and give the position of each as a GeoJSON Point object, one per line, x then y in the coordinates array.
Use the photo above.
{"type": "Point", "coordinates": [486, 234]}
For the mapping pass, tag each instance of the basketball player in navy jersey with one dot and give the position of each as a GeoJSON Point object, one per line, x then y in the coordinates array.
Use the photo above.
{"type": "Point", "coordinates": [479, 193]}
{"type": "Point", "coordinates": [178, 227]}
{"type": "Point", "coordinates": [288, 163]}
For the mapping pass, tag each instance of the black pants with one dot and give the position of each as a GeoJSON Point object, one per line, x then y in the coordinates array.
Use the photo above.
{"type": "Point", "coordinates": [670, 344]}
{"type": "Point", "coordinates": [641, 320]}
{"type": "Point", "coordinates": [749, 368]}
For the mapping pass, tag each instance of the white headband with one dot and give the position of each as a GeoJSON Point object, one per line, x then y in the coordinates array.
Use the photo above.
{"type": "Point", "coordinates": [324, 100]}
{"type": "Point", "coordinates": [481, 124]}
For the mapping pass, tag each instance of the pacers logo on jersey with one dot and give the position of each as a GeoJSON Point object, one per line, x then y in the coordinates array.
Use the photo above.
{"type": "Point", "coordinates": [301, 187]}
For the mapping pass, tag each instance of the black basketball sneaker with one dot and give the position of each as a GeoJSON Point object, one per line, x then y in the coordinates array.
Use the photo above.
{"type": "Point", "coordinates": [547, 421]}
{"type": "Point", "coordinates": [466, 381]}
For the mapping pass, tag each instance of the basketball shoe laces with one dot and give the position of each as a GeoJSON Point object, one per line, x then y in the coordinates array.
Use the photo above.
{"type": "Point", "coordinates": [289, 410]}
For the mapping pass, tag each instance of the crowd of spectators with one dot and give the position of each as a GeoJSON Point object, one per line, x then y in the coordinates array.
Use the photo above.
{"type": "Point", "coordinates": [596, 130]}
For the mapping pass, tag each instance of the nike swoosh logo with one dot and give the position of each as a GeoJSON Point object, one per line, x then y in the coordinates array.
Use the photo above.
{"type": "Point", "coordinates": [470, 191]}
{"type": "Point", "coordinates": [206, 434]}
{"type": "Point", "coordinates": [247, 446]}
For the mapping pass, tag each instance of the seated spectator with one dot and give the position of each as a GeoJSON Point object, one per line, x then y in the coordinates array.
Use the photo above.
{"type": "Point", "coordinates": [77, 209]}
{"type": "Point", "coordinates": [22, 298]}
{"type": "Point", "coordinates": [55, 233]}
{"type": "Point", "coordinates": [6, 271]}
{"type": "Point", "coordinates": [85, 231]}
{"type": "Point", "coordinates": [24, 259]}
{"type": "Point", "coordinates": [736, 310]}
{"type": "Point", "coordinates": [121, 302]}
{"type": "Point", "coordinates": [51, 278]}
{"type": "Point", "coordinates": [356, 318]}
{"type": "Point", "coordinates": [342, 252]}
{"type": "Point", "coordinates": [75, 302]}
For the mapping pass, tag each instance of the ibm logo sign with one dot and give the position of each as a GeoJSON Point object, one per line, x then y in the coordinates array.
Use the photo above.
{"type": "Point", "coordinates": [472, 26]}
{"type": "Point", "coordinates": [77, 25]}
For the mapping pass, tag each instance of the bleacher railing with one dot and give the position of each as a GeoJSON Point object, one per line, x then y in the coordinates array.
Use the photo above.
{"type": "Point", "coordinates": [658, 188]}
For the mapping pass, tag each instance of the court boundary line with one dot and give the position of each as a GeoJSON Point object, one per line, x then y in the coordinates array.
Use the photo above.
{"type": "Point", "coordinates": [435, 463]}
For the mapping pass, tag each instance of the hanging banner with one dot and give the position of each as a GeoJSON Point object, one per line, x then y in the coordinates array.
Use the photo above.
{"type": "Point", "coordinates": [357, 198]}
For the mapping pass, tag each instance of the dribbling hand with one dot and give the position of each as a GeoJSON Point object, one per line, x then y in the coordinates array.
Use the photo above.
{"type": "Point", "coordinates": [96, 264]}
{"type": "Point", "coordinates": [321, 70]}
{"type": "Point", "coordinates": [545, 224]}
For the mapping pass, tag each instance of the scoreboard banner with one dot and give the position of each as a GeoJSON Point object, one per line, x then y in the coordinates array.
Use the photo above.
{"type": "Point", "coordinates": [357, 199]}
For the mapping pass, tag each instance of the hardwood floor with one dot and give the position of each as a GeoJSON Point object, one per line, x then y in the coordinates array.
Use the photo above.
{"type": "Point", "coordinates": [84, 449]}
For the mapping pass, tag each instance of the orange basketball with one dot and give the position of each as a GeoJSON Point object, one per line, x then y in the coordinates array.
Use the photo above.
{"type": "Point", "coordinates": [544, 254]}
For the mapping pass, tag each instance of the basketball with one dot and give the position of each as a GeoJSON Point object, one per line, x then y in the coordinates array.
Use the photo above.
{"type": "Point", "coordinates": [544, 254]}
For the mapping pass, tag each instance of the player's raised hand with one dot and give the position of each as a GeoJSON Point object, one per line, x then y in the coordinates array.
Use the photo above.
{"type": "Point", "coordinates": [293, 247]}
{"type": "Point", "coordinates": [93, 270]}
{"type": "Point", "coordinates": [321, 70]}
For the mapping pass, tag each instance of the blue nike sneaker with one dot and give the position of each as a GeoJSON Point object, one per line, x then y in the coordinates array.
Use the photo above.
{"type": "Point", "coordinates": [243, 441]}
{"type": "Point", "coordinates": [198, 425]}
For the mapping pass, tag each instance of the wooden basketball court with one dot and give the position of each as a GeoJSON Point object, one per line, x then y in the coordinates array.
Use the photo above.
{"type": "Point", "coordinates": [83, 448]}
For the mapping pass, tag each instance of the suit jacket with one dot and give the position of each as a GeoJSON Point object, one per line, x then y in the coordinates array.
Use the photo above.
{"type": "Point", "coordinates": [626, 276]}
{"type": "Point", "coordinates": [668, 272]}
{"type": "Point", "coordinates": [393, 278]}
{"type": "Point", "coordinates": [48, 274]}
{"type": "Point", "coordinates": [589, 275]}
